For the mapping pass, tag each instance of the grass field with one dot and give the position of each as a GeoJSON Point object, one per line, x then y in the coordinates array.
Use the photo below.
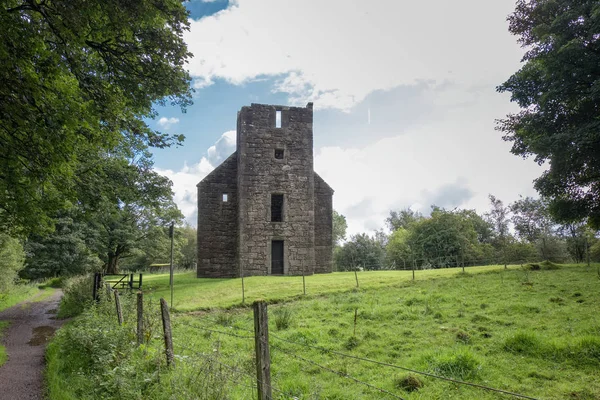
{"type": "Point", "coordinates": [536, 333]}
{"type": "Point", "coordinates": [193, 294]}
{"type": "Point", "coordinates": [532, 332]}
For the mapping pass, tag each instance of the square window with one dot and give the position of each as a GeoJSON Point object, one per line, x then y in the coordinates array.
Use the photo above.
{"type": "Point", "coordinates": [279, 154]}
{"type": "Point", "coordinates": [277, 119]}
{"type": "Point", "coordinates": [276, 207]}
{"type": "Point", "coordinates": [225, 198]}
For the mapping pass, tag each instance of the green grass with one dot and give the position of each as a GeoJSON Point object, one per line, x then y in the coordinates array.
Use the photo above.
{"type": "Point", "coordinates": [16, 295]}
{"type": "Point", "coordinates": [3, 356]}
{"type": "Point", "coordinates": [503, 329]}
{"type": "Point", "coordinates": [194, 294]}
{"type": "Point", "coordinates": [534, 332]}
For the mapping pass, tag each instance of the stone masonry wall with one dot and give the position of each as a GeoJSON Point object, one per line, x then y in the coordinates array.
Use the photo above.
{"type": "Point", "coordinates": [260, 174]}
{"type": "Point", "coordinates": [218, 222]}
{"type": "Point", "coordinates": [323, 226]}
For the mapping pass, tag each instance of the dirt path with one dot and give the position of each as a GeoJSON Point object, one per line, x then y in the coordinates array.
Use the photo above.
{"type": "Point", "coordinates": [31, 326]}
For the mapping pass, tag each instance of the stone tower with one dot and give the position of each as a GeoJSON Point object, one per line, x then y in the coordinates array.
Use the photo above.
{"type": "Point", "coordinates": [264, 211]}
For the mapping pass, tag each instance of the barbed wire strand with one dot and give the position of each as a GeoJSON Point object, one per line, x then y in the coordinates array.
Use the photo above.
{"type": "Point", "coordinates": [339, 373]}
{"type": "Point", "coordinates": [195, 326]}
{"type": "Point", "coordinates": [231, 379]}
{"type": "Point", "coordinates": [195, 352]}
{"type": "Point", "coordinates": [402, 368]}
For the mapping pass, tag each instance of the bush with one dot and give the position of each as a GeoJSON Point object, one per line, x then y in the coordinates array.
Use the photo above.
{"type": "Point", "coordinates": [77, 296]}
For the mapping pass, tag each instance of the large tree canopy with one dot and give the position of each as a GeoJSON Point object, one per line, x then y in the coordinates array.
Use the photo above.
{"type": "Point", "coordinates": [558, 89]}
{"type": "Point", "coordinates": [77, 76]}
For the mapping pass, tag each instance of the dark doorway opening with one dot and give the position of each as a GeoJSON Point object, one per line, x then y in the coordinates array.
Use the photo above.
{"type": "Point", "coordinates": [277, 257]}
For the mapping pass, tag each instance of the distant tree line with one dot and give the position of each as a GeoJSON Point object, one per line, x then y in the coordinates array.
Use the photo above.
{"type": "Point", "coordinates": [520, 232]}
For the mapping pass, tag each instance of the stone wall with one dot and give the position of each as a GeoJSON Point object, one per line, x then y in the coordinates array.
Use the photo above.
{"type": "Point", "coordinates": [323, 226]}
{"type": "Point", "coordinates": [260, 174]}
{"type": "Point", "coordinates": [218, 222]}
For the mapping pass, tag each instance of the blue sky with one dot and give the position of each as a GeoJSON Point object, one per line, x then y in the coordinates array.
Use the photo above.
{"type": "Point", "coordinates": [404, 96]}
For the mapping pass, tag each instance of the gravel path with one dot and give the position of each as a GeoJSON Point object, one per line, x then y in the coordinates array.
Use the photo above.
{"type": "Point", "coordinates": [32, 324]}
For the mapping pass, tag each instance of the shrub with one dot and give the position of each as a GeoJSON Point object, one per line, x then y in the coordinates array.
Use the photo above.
{"type": "Point", "coordinates": [77, 296]}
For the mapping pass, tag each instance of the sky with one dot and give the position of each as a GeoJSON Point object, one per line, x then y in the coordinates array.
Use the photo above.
{"type": "Point", "coordinates": [404, 95]}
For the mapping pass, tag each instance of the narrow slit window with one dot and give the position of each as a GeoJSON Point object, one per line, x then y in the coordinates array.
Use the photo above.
{"type": "Point", "coordinates": [279, 154]}
{"type": "Point", "coordinates": [277, 119]}
{"type": "Point", "coordinates": [276, 208]}
{"type": "Point", "coordinates": [225, 197]}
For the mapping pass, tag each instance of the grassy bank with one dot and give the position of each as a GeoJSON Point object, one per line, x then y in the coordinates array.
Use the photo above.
{"type": "Point", "coordinates": [532, 332]}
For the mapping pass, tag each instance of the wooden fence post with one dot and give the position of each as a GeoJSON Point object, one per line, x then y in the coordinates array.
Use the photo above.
{"type": "Point", "coordinates": [166, 320]}
{"type": "Point", "coordinates": [413, 269]}
{"type": "Point", "coordinates": [303, 283]}
{"type": "Point", "coordinates": [263, 358]}
{"type": "Point", "coordinates": [118, 305]}
{"type": "Point", "coordinates": [140, 317]}
{"type": "Point", "coordinates": [356, 275]}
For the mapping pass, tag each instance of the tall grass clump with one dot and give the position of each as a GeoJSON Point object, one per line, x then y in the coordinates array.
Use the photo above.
{"type": "Point", "coordinates": [459, 364]}
{"type": "Point", "coordinates": [523, 343]}
{"type": "Point", "coordinates": [283, 318]}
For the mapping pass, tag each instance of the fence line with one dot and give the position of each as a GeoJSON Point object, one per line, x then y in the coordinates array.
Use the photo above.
{"type": "Point", "coordinates": [339, 373]}
{"type": "Point", "coordinates": [323, 349]}
{"type": "Point", "coordinates": [234, 369]}
{"type": "Point", "coordinates": [261, 341]}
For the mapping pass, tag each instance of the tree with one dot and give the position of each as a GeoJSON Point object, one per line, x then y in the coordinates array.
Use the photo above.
{"type": "Point", "coordinates": [533, 223]}
{"type": "Point", "coordinates": [186, 244]}
{"type": "Point", "coordinates": [398, 251]}
{"type": "Point", "coordinates": [361, 251]}
{"type": "Point", "coordinates": [557, 89]}
{"type": "Point", "coordinates": [77, 77]}
{"type": "Point", "coordinates": [11, 261]}
{"type": "Point", "coordinates": [339, 228]}
{"type": "Point", "coordinates": [127, 205]}
{"type": "Point", "coordinates": [63, 252]}
{"type": "Point", "coordinates": [402, 219]}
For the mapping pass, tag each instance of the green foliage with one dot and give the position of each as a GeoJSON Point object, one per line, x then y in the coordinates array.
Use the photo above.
{"type": "Point", "coordinates": [63, 252]}
{"type": "Point", "coordinates": [79, 77]}
{"type": "Point", "coordinates": [402, 219]}
{"type": "Point", "coordinates": [77, 296]}
{"type": "Point", "coordinates": [557, 90]}
{"type": "Point", "coordinates": [398, 251]}
{"type": "Point", "coordinates": [11, 261]}
{"type": "Point", "coordinates": [339, 227]}
{"type": "Point", "coordinates": [360, 252]}
{"type": "Point", "coordinates": [3, 356]}
{"type": "Point", "coordinates": [186, 247]}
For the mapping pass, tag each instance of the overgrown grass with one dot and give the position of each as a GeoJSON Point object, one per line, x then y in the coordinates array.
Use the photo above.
{"type": "Point", "coordinates": [491, 329]}
{"type": "Point", "coordinates": [3, 356]}
{"type": "Point", "coordinates": [17, 294]}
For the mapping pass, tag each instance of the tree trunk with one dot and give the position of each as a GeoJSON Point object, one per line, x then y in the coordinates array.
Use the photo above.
{"type": "Point", "coordinates": [112, 267]}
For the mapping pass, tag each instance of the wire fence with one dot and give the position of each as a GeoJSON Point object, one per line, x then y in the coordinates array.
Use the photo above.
{"type": "Point", "coordinates": [256, 346]}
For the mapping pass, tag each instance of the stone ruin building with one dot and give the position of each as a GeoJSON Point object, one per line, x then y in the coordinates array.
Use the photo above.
{"type": "Point", "coordinates": [264, 211]}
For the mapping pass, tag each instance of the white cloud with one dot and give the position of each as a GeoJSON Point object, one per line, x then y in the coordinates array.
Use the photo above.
{"type": "Point", "coordinates": [453, 162]}
{"type": "Point", "coordinates": [186, 179]}
{"type": "Point", "coordinates": [335, 52]}
{"type": "Point", "coordinates": [167, 123]}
